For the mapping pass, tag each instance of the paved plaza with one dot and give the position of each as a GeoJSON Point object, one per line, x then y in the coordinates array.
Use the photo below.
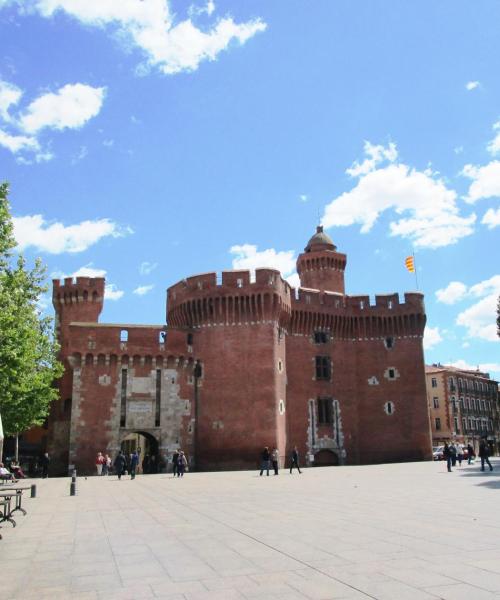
{"type": "Point", "coordinates": [394, 532]}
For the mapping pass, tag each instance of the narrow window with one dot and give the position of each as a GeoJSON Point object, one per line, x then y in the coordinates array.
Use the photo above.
{"type": "Point", "coordinates": [435, 401]}
{"type": "Point", "coordinates": [389, 305]}
{"type": "Point", "coordinates": [189, 339]}
{"type": "Point", "coordinates": [123, 335]}
{"type": "Point", "coordinates": [464, 425]}
{"type": "Point", "coordinates": [434, 382]}
{"type": "Point", "coordinates": [361, 305]}
{"type": "Point", "coordinates": [312, 422]}
{"type": "Point", "coordinates": [325, 411]}
{"type": "Point", "coordinates": [158, 398]}
{"type": "Point", "coordinates": [67, 406]}
{"type": "Point", "coordinates": [239, 283]}
{"type": "Point", "coordinates": [320, 337]}
{"type": "Point", "coordinates": [323, 367]}
{"type": "Point", "coordinates": [389, 342]}
{"type": "Point", "coordinates": [162, 337]}
{"type": "Point", "coordinates": [390, 408]}
{"type": "Point", "coordinates": [392, 374]}
{"type": "Point", "coordinates": [438, 424]}
{"type": "Point", "coordinates": [123, 404]}
{"type": "Point", "coordinates": [457, 430]}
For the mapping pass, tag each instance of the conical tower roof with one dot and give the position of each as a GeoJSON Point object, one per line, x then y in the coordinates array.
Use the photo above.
{"type": "Point", "coordinates": [320, 241]}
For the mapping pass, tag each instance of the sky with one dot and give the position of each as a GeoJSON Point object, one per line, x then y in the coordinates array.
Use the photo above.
{"type": "Point", "coordinates": [150, 140]}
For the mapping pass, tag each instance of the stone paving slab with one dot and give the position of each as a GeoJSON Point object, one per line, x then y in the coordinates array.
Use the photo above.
{"type": "Point", "coordinates": [389, 532]}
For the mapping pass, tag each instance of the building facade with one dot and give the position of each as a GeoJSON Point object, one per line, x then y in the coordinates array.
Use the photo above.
{"type": "Point", "coordinates": [463, 406]}
{"type": "Point", "coordinates": [245, 362]}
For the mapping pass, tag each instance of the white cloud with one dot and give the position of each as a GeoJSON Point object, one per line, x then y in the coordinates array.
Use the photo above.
{"type": "Point", "coordinates": [480, 318]}
{"type": "Point", "coordinates": [83, 152]}
{"type": "Point", "coordinates": [304, 197]}
{"type": "Point", "coordinates": [10, 95]}
{"type": "Point", "coordinates": [247, 256]}
{"type": "Point", "coordinates": [86, 271]}
{"type": "Point", "coordinates": [485, 181]}
{"type": "Point", "coordinates": [375, 154]}
{"type": "Point", "coordinates": [452, 293]}
{"type": "Point", "coordinates": [208, 9]}
{"type": "Point", "coordinates": [149, 25]}
{"type": "Point", "coordinates": [108, 143]}
{"type": "Point", "coordinates": [491, 218]}
{"type": "Point", "coordinates": [18, 143]}
{"type": "Point", "coordinates": [68, 108]}
{"type": "Point", "coordinates": [433, 219]}
{"type": "Point", "coordinates": [494, 144]}
{"type": "Point", "coordinates": [56, 238]}
{"type": "Point", "coordinates": [472, 85]}
{"type": "Point", "coordinates": [146, 267]}
{"type": "Point", "coordinates": [143, 289]}
{"type": "Point", "coordinates": [483, 367]}
{"type": "Point", "coordinates": [432, 337]}
{"type": "Point", "coordinates": [111, 292]}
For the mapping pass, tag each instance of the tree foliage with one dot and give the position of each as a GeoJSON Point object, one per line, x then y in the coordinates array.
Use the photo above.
{"type": "Point", "coordinates": [28, 350]}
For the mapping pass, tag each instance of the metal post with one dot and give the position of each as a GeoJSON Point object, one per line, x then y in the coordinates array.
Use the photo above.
{"type": "Point", "coordinates": [72, 487]}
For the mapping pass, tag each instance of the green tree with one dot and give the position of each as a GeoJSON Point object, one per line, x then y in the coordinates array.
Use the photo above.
{"type": "Point", "coordinates": [28, 350]}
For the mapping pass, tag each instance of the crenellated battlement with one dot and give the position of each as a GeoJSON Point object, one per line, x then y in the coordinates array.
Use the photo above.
{"type": "Point", "coordinates": [234, 279]}
{"type": "Point", "coordinates": [203, 300]}
{"type": "Point", "coordinates": [413, 301]}
{"type": "Point", "coordinates": [77, 290]}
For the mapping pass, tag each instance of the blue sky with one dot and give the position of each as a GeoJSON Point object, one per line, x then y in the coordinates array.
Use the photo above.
{"type": "Point", "coordinates": [152, 140]}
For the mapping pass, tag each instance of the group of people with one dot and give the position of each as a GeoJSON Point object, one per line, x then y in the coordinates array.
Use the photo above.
{"type": "Point", "coordinates": [16, 472]}
{"type": "Point", "coordinates": [130, 463]}
{"type": "Point", "coordinates": [454, 452]}
{"type": "Point", "coordinates": [268, 459]}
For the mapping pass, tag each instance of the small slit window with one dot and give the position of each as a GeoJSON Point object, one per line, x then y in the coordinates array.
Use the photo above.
{"type": "Point", "coordinates": [389, 408]}
{"type": "Point", "coordinates": [162, 337]}
{"type": "Point", "coordinates": [391, 373]}
{"type": "Point", "coordinates": [189, 339]}
{"type": "Point", "coordinates": [123, 335]}
{"type": "Point", "coordinates": [389, 304]}
{"type": "Point", "coordinates": [320, 337]}
{"type": "Point", "coordinates": [239, 283]}
{"type": "Point", "coordinates": [389, 342]}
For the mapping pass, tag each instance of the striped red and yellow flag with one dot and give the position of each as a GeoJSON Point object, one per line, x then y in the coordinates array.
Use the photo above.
{"type": "Point", "coordinates": [410, 264]}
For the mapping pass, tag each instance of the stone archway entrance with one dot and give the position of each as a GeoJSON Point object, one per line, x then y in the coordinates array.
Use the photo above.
{"type": "Point", "coordinates": [146, 446]}
{"type": "Point", "coordinates": [326, 458]}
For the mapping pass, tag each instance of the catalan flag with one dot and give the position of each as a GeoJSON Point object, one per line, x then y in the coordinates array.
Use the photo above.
{"type": "Point", "coordinates": [410, 264]}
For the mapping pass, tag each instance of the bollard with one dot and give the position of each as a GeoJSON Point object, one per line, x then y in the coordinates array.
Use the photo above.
{"type": "Point", "coordinates": [33, 490]}
{"type": "Point", "coordinates": [72, 487]}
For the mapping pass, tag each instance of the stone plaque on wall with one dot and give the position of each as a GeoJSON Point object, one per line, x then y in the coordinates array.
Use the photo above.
{"type": "Point", "coordinates": [139, 407]}
{"type": "Point", "coordinates": [141, 385]}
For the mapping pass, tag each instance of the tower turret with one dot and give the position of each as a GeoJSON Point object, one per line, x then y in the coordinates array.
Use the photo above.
{"type": "Point", "coordinates": [320, 266]}
{"type": "Point", "coordinates": [77, 300]}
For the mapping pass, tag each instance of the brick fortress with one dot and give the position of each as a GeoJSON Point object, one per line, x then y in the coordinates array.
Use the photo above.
{"type": "Point", "coordinates": [243, 364]}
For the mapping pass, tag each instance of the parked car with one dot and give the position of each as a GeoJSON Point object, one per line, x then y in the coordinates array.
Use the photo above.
{"type": "Point", "coordinates": [437, 452]}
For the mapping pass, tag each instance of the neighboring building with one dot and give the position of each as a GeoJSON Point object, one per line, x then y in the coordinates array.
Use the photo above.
{"type": "Point", "coordinates": [245, 363]}
{"type": "Point", "coordinates": [463, 406]}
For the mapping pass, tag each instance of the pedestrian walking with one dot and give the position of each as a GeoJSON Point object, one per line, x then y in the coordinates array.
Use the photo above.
{"type": "Point", "coordinates": [134, 461]}
{"type": "Point", "coordinates": [447, 456]}
{"type": "Point", "coordinates": [460, 454]}
{"type": "Point", "coordinates": [45, 461]}
{"type": "Point", "coordinates": [275, 458]}
{"type": "Point", "coordinates": [453, 454]}
{"type": "Point", "coordinates": [470, 453]}
{"type": "Point", "coordinates": [265, 457]}
{"type": "Point", "coordinates": [484, 454]}
{"type": "Point", "coordinates": [99, 462]}
{"type": "Point", "coordinates": [119, 464]}
{"type": "Point", "coordinates": [181, 464]}
{"type": "Point", "coordinates": [294, 460]}
{"type": "Point", "coordinates": [106, 465]}
{"type": "Point", "coordinates": [175, 460]}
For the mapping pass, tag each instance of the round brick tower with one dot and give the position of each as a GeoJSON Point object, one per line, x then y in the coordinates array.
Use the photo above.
{"type": "Point", "coordinates": [320, 266]}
